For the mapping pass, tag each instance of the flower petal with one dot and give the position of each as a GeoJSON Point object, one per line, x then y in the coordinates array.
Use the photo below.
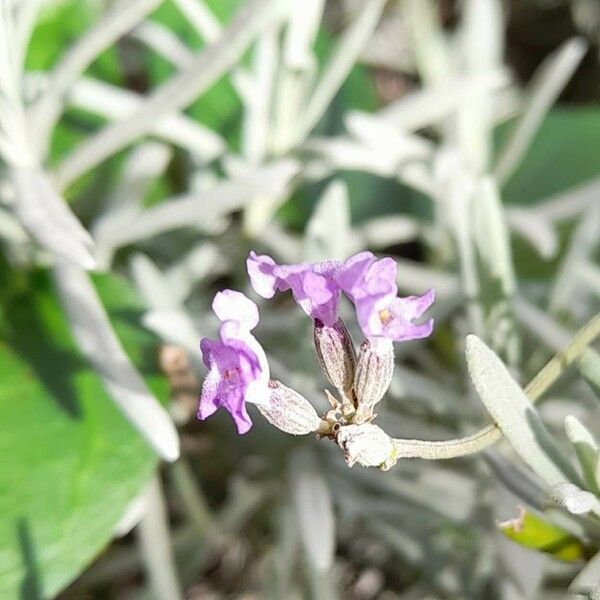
{"type": "Point", "coordinates": [313, 286]}
{"type": "Point", "coordinates": [208, 398]}
{"type": "Point", "coordinates": [230, 305]}
{"type": "Point", "coordinates": [260, 270]}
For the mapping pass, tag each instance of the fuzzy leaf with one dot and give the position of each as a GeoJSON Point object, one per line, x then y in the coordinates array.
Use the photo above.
{"type": "Point", "coordinates": [515, 415]}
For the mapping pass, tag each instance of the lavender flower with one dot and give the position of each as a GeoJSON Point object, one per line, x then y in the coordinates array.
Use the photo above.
{"type": "Point", "coordinates": [381, 314]}
{"type": "Point", "coordinates": [313, 285]}
{"type": "Point", "coordinates": [238, 368]}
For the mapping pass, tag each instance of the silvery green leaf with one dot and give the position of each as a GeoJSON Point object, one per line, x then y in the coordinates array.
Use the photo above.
{"type": "Point", "coordinates": [491, 234]}
{"type": "Point", "coordinates": [134, 512]}
{"type": "Point", "coordinates": [314, 510]}
{"type": "Point", "coordinates": [143, 165]}
{"type": "Point", "coordinates": [517, 480]}
{"type": "Point", "coordinates": [566, 289]}
{"type": "Point", "coordinates": [540, 232]}
{"type": "Point", "coordinates": [99, 344]}
{"type": "Point", "coordinates": [200, 209]}
{"type": "Point", "coordinates": [151, 283]}
{"type": "Point", "coordinates": [301, 32]}
{"type": "Point", "coordinates": [342, 59]}
{"type": "Point", "coordinates": [482, 40]}
{"type": "Point", "coordinates": [47, 217]}
{"type": "Point", "coordinates": [515, 415]}
{"type": "Point", "coordinates": [328, 230]}
{"type": "Point", "coordinates": [589, 367]}
{"type": "Point", "coordinates": [117, 103]}
{"type": "Point", "coordinates": [381, 232]}
{"type": "Point", "coordinates": [174, 326]}
{"type": "Point", "coordinates": [590, 276]}
{"type": "Point", "coordinates": [586, 449]}
{"type": "Point", "coordinates": [155, 544]}
{"type": "Point", "coordinates": [10, 228]}
{"type": "Point", "coordinates": [431, 105]}
{"type": "Point", "coordinates": [256, 127]}
{"type": "Point", "coordinates": [574, 499]}
{"type": "Point", "coordinates": [164, 42]}
{"type": "Point", "coordinates": [201, 261]}
{"type": "Point", "coordinates": [569, 204]}
{"type": "Point", "coordinates": [201, 18]}
{"type": "Point", "coordinates": [588, 579]}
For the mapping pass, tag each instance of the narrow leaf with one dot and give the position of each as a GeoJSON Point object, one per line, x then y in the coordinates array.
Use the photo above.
{"type": "Point", "coordinates": [328, 231]}
{"type": "Point", "coordinates": [586, 449]}
{"type": "Point", "coordinates": [314, 511]}
{"type": "Point", "coordinates": [515, 415]}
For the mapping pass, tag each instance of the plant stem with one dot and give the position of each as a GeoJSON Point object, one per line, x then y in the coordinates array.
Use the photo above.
{"type": "Point", "coordinates": [490, 434]}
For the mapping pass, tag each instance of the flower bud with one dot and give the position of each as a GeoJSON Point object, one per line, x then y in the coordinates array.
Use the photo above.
{"type": "Point", "coordinates": [289, 411]}
{"type": "Point", "coordinates": [374, 370]}
{"type": "Point", "coordinates": [367, 445]}
{"type": "Point", "coordinates": [336, 353]}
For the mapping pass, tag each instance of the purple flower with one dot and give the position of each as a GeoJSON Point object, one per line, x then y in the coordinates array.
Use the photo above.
{"type": "Point", "coordinates": [313, 285]}
{"type": "Point", "coordinates": [238, 369]}
{"type": "Point", "coordinates": [371, 285]}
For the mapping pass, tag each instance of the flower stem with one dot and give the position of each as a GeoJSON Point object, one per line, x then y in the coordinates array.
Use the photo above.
{"type": "Point", "coordinates": [436, 450]}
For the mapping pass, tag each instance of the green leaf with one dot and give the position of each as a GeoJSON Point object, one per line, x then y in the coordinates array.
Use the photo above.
{"type": "Point", "coordinates": [559, 156]}
{"type": "Point", "coordinates": [531, 531]}
{"type": "Point", "coordinates": [71, 462]}
{"type": "Point", "coordinates": [515, 415]}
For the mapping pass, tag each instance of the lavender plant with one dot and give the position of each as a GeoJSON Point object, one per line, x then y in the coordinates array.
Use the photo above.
{"type": "Point", "coordinates": [239, 372]}
{"type": "Point", "coordinates": [163, 144]}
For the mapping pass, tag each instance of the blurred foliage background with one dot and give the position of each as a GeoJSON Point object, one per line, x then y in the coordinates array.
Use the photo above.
{"type": "Point", "coordinates": [182, 134]}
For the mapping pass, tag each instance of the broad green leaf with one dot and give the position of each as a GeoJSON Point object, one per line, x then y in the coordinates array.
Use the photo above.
{"type": "Point", "coordinates": [71, 462]}
{"type": "Point", "coordinates": [533, 532]}
{"type": "Point", "coordinates": [515, 415]}
{"type": "Point", "coordinates": [559, 156]}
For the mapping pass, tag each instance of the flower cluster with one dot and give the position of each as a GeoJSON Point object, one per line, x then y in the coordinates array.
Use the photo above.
{"type": "Point", "coordinates": [239, 371]}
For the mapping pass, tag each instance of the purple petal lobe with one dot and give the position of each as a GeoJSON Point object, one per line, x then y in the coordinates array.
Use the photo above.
{"type": "Point", "coordinates": [238, 368]}
{"type": "Point", "coordinates": [262, 278]}
{"type": "Point", "coordinates": [230, 305]}
{"type": "Point", "coordinates": [313, 285]}
{"type": "Point", "coordinates": [371, 285]}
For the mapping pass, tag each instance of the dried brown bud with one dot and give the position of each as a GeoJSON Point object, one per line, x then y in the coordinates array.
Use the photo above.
{"type": "Point", "coordinates": [289, 411]}
{"type": "Point", "coordinates": [374, 370]}
{"type": "Point", "coordinates": [367, 445]}
{"type": "Point", "coordinates": [336, 353]}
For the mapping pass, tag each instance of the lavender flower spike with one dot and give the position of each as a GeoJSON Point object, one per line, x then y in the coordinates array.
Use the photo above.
{"type": "Point", "coordinates": [371, 285]}
{"type": "Point", "coordinates": [238, 368]}
{"type": "Point", "coordinates": [313, 285]}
